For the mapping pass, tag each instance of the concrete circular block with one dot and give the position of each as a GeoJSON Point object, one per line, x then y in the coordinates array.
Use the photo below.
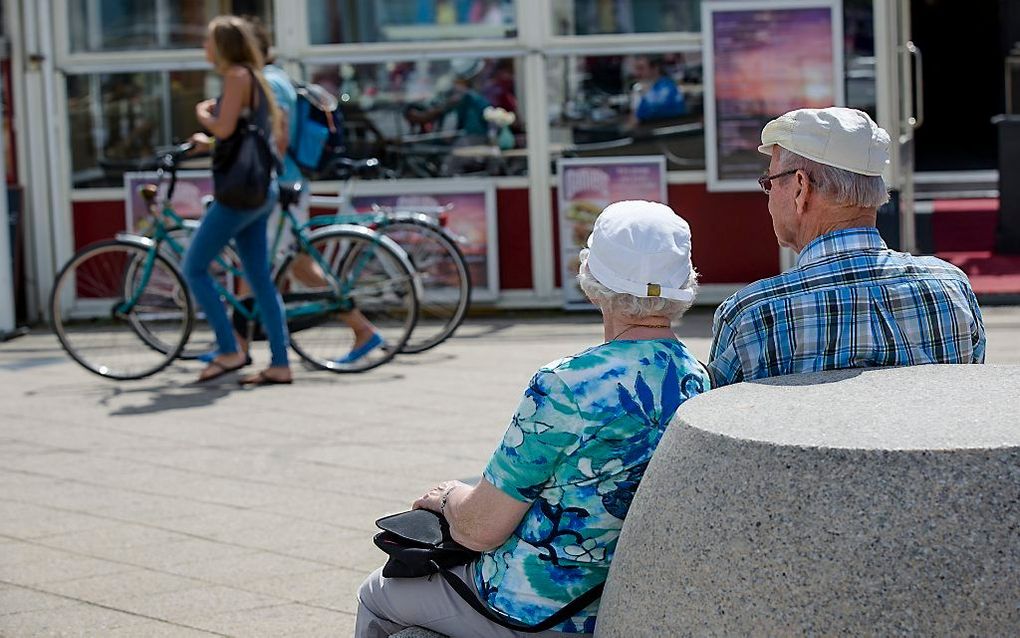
{"type": "Point", "coordinates": [856, 502]}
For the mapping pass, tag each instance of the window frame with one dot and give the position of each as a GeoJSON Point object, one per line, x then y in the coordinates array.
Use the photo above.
{"type": "Point", "coordinates": [534, 39]}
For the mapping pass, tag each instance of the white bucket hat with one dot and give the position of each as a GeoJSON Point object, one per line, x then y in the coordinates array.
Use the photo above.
{"type": "Point", "coordinates": [845, 138]}
{"type": "Point", "coordinates": [642, 249]}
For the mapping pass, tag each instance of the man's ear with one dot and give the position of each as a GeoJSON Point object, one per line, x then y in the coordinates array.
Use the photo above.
{"type": "Point", "coordinates": [804, 192]}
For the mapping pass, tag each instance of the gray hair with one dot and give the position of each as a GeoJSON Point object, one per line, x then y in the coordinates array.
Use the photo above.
{"type": "Point", "coordinates": [621, 303]}
{"type": "Point", "coordinates": [843, 187]}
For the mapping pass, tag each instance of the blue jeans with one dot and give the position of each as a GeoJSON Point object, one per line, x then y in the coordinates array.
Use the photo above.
{"type": "Point", "coordinates": [248, 230]}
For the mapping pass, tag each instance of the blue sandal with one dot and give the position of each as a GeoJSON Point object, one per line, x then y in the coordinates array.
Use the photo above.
{"type": "Point", "coordinates": [361, 351]}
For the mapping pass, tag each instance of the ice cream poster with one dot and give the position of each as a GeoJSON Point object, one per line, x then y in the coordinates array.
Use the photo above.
{"type": "Point", "coordinates": [586, 186]}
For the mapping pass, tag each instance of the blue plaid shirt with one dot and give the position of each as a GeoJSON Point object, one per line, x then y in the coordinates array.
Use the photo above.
{"type": "Point", "coordinates": [849, 303]}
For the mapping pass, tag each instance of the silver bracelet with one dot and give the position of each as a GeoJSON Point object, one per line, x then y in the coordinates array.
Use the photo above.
{"type": "Point", "coordinates": [446, 497]}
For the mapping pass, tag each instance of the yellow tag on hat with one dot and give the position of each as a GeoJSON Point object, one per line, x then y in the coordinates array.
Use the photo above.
{"type": "Point", "coordinates": [654, 290]}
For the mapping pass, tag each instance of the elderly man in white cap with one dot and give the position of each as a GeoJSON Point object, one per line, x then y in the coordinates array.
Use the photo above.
{"type": "Point", "coordinates": [548, 510]}
{"type": "Point", "coordinates": [850, 302]}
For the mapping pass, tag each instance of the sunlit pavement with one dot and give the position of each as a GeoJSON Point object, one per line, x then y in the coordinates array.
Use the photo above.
{"type": "Point", "coordinates": [159, 507]}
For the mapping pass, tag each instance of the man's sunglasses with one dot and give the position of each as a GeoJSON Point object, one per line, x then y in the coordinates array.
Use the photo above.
{"type": "Point", "coordinates": [765, 181]}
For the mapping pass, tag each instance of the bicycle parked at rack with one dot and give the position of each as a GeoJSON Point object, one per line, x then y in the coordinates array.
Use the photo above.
{"type": "Point", "coordinates": [121, 307]}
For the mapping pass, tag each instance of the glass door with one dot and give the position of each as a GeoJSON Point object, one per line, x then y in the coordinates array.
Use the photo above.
{"type": "Point", "coordinates": [900, 105]}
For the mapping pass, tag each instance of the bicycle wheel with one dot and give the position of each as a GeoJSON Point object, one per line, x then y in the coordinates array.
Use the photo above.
{"type": "Point", "coordinates": [445, 280]}
{"type": "Point", "coordinates": [114, 302]}
{"type": "Point", "coordinates": [367, 274]}
{"type": "Point", "coordinates": [225, 270]}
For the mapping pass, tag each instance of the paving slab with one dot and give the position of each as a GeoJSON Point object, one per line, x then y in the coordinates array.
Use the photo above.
{"type": "Point", "coordinates": [161, 508]}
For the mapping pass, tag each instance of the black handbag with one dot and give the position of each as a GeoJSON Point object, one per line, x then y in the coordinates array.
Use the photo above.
{"type": "Point", "coordinates": [243, 164]}
{"type": "Point", "coordinates": [418, 543]}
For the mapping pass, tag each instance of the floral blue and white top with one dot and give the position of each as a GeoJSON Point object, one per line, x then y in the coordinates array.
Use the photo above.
{"type": "Point", "coordinates": [576, 449]}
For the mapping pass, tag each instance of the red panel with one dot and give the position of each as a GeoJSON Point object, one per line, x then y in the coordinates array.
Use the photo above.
{"type": "Point", "coordinates": [9, 139]}
{"type": "Point", "coordinates": [557, 256]}
{"type": "Point", "coordinates": [964, 224]}
{"type": "Point", "coordinates": [987, 205]}
{"type": "Point", "coordinates": [94, 221]}
{"type": "Point", "coordinates": [513, 227]}
{"type": "Point", "coordinates": [731, 233]}
{"type": "Point", "coordinates": [732, 236]}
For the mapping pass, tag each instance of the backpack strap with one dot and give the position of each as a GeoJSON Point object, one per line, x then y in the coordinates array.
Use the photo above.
{"type": "Point", "coordinates": [568, 611]}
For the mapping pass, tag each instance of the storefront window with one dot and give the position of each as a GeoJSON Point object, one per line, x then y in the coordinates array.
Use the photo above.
{"type": "Point", "coordinates": [427, 118]}
{"type": "Point", "coordinates": [117, 119]}
{"type": "Point", "coordinates": [649, 104]}
{"type": "Point", "coordinates": [595, 17]}
{"type": "Point", "coordinates": [119, 25]}
{"type": "Point", "coordinates": [352, 21]}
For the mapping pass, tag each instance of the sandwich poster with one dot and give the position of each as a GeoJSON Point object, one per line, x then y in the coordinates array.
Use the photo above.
{"type": "Point", "coordinates": [586, 186]}
{"type": "Point", "coordinates": [762, 59]}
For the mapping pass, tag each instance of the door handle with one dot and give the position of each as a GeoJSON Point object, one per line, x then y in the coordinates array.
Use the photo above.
{"type": "Point", "coordinates": [917, 119]}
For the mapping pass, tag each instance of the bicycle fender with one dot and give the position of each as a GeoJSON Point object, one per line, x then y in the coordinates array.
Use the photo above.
{"type": "Point", "coordinates": [137, 240]}
{"type": "Point", "coordinates": [420, 218]}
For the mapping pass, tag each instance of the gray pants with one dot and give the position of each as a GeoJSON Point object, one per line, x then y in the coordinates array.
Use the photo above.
{"type": "Point", "coordinates": [387, 605]}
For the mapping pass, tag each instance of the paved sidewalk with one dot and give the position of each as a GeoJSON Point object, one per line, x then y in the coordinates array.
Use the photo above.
{"type": "Point", "coordinates": [155, 508]}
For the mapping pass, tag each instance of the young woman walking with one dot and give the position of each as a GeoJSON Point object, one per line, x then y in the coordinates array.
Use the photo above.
{"type": "Point", "coordinates": [233, 50]}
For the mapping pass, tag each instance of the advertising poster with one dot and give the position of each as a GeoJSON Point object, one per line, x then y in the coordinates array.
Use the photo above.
{"type": "Point", "coordinates": [586, 186]}
{"type": "Point", "coordinates": [762, 59]}
{"type": "Point", "coordinates": [191, 187]}
{"type": "Point", "coordinates": [469, 210]}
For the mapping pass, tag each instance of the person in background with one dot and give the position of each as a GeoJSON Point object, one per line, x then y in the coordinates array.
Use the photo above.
{"type": "Point", "coordinates": [547, 512]}
{"type": "Point", "coordinates": [656, 95]}
{"type": "Point", "coordinates": [463, 100]}
{"type": "Point", "coordinates": [233, 50]}
{"type": "Point", "coordinates": [850, 301]}
{"type": "Point", "coordinates": [366, 336]}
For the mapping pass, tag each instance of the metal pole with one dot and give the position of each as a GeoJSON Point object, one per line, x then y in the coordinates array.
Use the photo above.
{"type": "Point", "coordinates": [6, 276]}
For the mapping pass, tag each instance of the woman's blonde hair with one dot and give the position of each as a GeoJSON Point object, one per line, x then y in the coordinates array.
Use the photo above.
{"type": "Point", "coordinates": [234, 43]}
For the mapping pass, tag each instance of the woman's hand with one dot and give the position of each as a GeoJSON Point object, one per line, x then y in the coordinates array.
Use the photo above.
{"type": "Point", "coordinates": [202, 142]}
{"type": "Point", "coordinates": [480, 517]}
{"type": "Point", "coordinates": [433, 499]}
{"type": "Point", "coordinates": [204, 109]}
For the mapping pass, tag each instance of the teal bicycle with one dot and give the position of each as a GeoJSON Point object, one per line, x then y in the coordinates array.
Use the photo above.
{"type": "Point", "coordinates": [121, 307]}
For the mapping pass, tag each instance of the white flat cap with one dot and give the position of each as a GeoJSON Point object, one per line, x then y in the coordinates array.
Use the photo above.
{"type": "Point", "coordinates": [835, 136]}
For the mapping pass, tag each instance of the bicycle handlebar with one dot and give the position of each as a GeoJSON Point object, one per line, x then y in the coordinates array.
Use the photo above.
{"type": "Point", "coordinates": [168, 157]}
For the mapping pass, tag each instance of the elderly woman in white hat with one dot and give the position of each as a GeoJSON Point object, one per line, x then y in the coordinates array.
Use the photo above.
{"type": "Point", "coordinates": [548, 510]}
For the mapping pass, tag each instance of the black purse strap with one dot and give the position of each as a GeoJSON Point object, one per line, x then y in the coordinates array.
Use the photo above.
{"type": "Point", "coordinates": [468, 594]}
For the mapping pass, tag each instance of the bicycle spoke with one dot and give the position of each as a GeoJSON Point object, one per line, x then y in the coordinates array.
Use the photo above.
{"type": "Point", "coordinates": [443, 276]}
{"type": "Point", "coordinates": [364, 277]}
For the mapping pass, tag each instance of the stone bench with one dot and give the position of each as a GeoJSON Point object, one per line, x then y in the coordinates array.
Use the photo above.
{"type": "Point", "coordinates": [876, 502]}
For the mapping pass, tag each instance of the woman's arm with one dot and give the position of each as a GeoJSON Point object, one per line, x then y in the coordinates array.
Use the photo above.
{"type": "Point", "coordinates": [236, 89]}
{"type": "Point", "coordinates": [480, 517]}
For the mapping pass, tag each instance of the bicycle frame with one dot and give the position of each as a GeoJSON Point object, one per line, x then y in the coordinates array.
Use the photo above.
{"type": "Point", "coordinates": [167, 220]}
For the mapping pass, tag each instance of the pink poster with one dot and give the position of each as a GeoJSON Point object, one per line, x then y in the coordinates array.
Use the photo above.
{"type": "Point", "coordinates": [762, 60]}
{"type": "Point", "coordinates": [588, 185]}
{"type": "Point", "coordinates": [191, 187]}
{"type": "Point", "coordinates": [466, 216]}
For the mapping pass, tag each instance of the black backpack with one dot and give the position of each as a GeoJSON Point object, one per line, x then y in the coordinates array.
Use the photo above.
{"type": "Point", "coordinates": [319, 136]}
